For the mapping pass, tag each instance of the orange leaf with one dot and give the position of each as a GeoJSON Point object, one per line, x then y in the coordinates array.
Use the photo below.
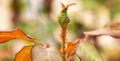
{"type": "Point", "coordinates": [15, 34]}
{"type": "Point", "coordinates": [71, 46]}
{"type": "Point", "coordinates": [24, 54]}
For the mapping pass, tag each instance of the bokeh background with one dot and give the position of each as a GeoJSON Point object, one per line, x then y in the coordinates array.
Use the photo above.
{"type": "Point", "coordinates": [38, 18]}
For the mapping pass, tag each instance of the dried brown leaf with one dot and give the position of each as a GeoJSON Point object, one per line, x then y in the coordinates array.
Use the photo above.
{"type": "Point", "coordinates": [40, 53]}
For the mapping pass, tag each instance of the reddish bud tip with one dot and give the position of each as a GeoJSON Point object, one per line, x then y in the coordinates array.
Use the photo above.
{"type": "Point", "coordinates": [63, 6]}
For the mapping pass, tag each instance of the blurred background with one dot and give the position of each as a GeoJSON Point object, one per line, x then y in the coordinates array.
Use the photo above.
{"type": "Point", "coordinates": [38, 18]}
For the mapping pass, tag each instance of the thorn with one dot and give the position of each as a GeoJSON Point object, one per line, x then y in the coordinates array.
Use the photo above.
{"type": "Point", "coordinates": [78, 41]}
{"type": "Point", "coordinates": [47, 45]}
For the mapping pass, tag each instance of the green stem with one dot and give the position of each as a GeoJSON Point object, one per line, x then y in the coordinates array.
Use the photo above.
{"type": "Point", "coordinates": [63, 37]}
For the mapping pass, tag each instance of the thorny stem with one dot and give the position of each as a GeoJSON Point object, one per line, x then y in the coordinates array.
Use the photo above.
{"type": "Point", "coordinates": [63, 37]}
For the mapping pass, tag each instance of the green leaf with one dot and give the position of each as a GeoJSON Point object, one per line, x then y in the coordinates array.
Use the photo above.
{"type": "Point", "coordinates": [87, 52]}
{"type": "Point", "coordinates": [75, 58]}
